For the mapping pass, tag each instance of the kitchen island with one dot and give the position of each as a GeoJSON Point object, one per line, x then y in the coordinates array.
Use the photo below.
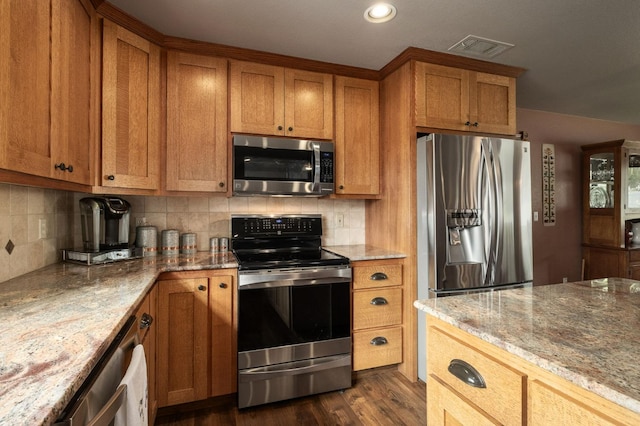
{"type": "Point", "coordinates": [59, 320]}
{"type": "Point", "coordinates": [550, 353]}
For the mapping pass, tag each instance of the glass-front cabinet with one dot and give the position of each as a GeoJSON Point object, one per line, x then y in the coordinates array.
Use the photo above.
{"type": "Point", "coordinates": [611, 206]}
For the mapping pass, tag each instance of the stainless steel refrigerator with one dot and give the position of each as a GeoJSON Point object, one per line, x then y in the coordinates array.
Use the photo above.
{"type": "Point", "coordinates": [474, 217]}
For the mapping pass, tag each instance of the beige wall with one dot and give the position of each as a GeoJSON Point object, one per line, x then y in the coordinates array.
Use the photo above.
{"type": "Point", "coordinates": [557, 249]}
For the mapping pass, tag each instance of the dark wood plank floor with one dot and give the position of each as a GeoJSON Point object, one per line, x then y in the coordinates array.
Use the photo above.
{"type": "Point", "coordinates": [378, 397]}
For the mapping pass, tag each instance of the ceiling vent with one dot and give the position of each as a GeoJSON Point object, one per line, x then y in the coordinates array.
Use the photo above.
{"type": "Point", "coordinates": [479, 46]}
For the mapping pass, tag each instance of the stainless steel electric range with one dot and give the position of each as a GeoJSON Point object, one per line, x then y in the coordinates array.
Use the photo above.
{"type": "Point", "coordinates": [294, 299]}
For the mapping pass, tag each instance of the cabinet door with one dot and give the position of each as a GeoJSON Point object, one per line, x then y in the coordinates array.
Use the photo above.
{"type": "Point", "coordinates": [442, 97]}
{"type": "Point", "coordinates": [196, 123]}
{"type": "Point", "coordinates": [357, 137]}
{"type": "Point", "coordinates": [183, 365]}
{"type": "Point", "coordinates": [446, 407]}
{"type": "Point", "coordinates": [74, 89]}
{"type": "Point", "coordinates": [257, 98]}
{"type": "Point", "coordinates": [130, 109]}
{"type": "Point", "coordinates": [492, 103]}
{"type": "Point", "coordinates": [308, 104]}
{"type": "Point", "coordinates": [223, 331]}
{"type": "Point", "coordinates": [25, 86]}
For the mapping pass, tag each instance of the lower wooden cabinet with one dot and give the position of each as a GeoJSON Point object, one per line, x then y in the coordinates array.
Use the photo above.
{"type": "Point", "coordinates": [515, 391]}
{"type": "Point", "coordinates": [196, 336]}
{"type": "Point", "coordinates": [602, 262]}
{"type": "Point", "coordinates": [377, 313]}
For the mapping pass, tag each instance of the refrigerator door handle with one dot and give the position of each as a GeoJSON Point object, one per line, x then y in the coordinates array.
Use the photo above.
{"type": "Point", "coordinates": [498, 216]}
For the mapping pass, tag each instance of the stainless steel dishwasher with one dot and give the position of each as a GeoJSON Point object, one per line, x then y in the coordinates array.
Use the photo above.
{"type": "Point", "coordinates": [101, 395]}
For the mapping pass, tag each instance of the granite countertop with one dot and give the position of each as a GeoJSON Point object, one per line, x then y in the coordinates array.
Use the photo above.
{"type": "Point", "coordinates": [358, 252]}
{"type": "Point", "coordinates": [586, 332]}
{"type": "Point", "coordinates": [57, 321]}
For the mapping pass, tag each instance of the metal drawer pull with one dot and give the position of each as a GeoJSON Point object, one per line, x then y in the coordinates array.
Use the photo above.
{"type": "Point", "coordinates": [145, 321]}
{"type": "Point", "coordinates": [379, 341]}
{"type": "Point", "coordinates": [379, 276]}
{"type": "Point", "coordinates": [465, 372]}
{"type": "Point", "coordinates": [379, 301]}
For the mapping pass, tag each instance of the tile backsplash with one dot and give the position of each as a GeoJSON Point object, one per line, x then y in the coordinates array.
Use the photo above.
{"type": "Point", "coordinates": [36, 223]}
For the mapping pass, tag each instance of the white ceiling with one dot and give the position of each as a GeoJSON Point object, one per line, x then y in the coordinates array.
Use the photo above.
{"type": "Point", "coordinates": [582, 56]}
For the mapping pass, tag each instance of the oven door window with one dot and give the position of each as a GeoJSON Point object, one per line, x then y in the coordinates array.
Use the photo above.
{"type": "Point", "coordinates": [279, 316]}
{"type": "Point", "coordinates": [273, 164]}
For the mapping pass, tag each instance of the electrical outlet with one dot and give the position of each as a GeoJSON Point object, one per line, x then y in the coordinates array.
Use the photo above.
{"type": "Point", "coordinates": [565, 279]}
{"type": "Point", "coordinates": [42, 232]}
{"type": "Point", "coordinates": [141, 221]}
{"type": "Point", "coordinates": [339, 220]}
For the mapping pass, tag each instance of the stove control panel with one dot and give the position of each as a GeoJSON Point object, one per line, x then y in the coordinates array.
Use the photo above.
{"type": "Point", "coordinates": [274, 226]}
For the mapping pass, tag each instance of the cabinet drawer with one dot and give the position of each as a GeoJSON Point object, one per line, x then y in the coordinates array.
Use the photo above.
{"type": "Point", "coordinates": [369, 355]}
{"type": "Point", "coordinates": [445, 407]}
{"type": "Point", "coordinates": [503, 396]}
{"type": "Point", "coordinates": [383, 275]}
{"type": "Point", "coordinates": [634, 256]}
{"type": "Point", "coordinates": [377, 308]}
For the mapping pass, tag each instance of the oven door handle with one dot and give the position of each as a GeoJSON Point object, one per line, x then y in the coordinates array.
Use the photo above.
{"type": "Point", "coordinates": [266, 282]}
{"type": "Point", "coordinates": [294, 368]}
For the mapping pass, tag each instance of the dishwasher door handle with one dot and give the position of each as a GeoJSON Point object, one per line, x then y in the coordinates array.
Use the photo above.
{"type": "Point", "coordinates": [106, 415]}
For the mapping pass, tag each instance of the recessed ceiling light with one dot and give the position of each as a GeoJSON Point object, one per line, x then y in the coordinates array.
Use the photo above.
{"type": "Point", "coordinates": [380, 12]}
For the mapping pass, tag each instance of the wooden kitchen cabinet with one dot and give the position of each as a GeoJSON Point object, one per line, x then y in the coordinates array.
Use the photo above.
{"type": "Point", "coordinates": [377, 313]}
{"type": "Point", "coordinates": [48, 116]}
{"type": "Point", "coordinates": [458, 99]}
{"type": "Point", "coordinates": [196, 123]}
{"type": "Point", "coordinates": [130, 110]}
{"type": "Point", "coordinates": [611, 199]}
{"type": "Point", "coordinates": [147, 335]}
{"type": "Point", "coordinates": [357, 141]}
{"type": "Point", "coordinates": [196, 336]}
{"type": "Point", "coordinates": [271, 100]}
{"type": "Point", "coordinates": [516, 392]}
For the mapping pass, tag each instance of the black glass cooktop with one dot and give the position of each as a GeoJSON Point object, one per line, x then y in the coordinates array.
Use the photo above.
{"type": "Point", "coordinates": [290, 259]}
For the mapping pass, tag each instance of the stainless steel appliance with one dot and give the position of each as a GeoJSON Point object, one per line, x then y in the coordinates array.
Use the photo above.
{"type": "Point", "coordinates": [105, 231]}
{"type": "Point", "coordinates": [474, 217]}
{"type": "Point", "coordinates": [294, 298]}
{"type": "Point", "coordinates": [102, 394]}
{"type": "Point", "coordinates": [279, 166]}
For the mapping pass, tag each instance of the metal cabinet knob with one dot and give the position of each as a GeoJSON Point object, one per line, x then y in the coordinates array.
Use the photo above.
{"type": "Point", "coordinates": [202, 287]}
{"type": "Point", "coordinates": [466, 373]}
{"type": "Point", "coordinates": [468, 123]}
{"type": "Point", "coordinates": [223, 285]}
{"type": "Point", "coordinates": [475, 124]}
{"type": "Point", "coordinates": [379, 341]}
{"type": "Point", "coordinates": [221, 184]}
{"type": "Point", "coordinates": [279, 127]}
{"type": "Point", "coordinates": [379, 276]}
{"type": "Point", "coordinates": [111, 177]}
{"type": "Point", "coordinates": [341, 187]}
{"type": "Point", "coordinates": [145, 321]}
{"type": "Point", "coordinates": [291, 129]}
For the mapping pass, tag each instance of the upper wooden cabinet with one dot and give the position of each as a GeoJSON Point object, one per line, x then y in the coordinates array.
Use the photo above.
{"type": "Point", "coordinates": [47, 118]}
{"type": "Point", "coordinates": [357, 137]}
{"type": "Point", "coordinates": [270, 100]}
{"type": "Point", "coordinates": [130, 110]}
{"type": "Point", "coordinates": [196, 123]}
{"type": "Point", "coordinates": [458, 99]}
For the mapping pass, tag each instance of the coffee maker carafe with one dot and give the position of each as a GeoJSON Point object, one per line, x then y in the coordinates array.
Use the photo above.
{"type": "Point", "coordinates": [105, 223]}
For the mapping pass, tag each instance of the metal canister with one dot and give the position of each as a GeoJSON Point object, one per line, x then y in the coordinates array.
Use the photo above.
{"type": "Point", "coordinates": [170, 242]}
{"type": "Point", "coordinates": [224, 244]}
{"type": "Point", "coordinates": [188, 244]}
{"type": "Point", "coordinates": [214, 245]}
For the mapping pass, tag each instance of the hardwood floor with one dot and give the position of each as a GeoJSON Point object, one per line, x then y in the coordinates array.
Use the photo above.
{"type": "Point", "coordinates": [378, 397]}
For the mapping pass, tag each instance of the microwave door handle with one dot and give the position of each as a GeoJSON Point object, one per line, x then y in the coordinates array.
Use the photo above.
{"type": "Point", "coordinates": [316, 165]}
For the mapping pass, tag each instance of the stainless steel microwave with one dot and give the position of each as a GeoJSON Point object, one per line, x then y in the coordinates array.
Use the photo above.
{"type": "Point", "coordinates": [278, 166]}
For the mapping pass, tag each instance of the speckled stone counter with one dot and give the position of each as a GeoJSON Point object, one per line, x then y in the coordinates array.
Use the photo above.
{"type": "Point", "coordinates": [364, 252]}
{"type": "Point", "coordinates": [56, 322]}
{"type": "Point", "coordinates": [586, 332]}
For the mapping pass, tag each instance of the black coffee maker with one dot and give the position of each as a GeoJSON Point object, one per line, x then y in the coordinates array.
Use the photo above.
{"type": "Point", "coordinates": [105, 223]}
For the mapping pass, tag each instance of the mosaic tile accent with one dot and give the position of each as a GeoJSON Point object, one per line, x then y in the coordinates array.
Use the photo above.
{"type": "Point", "coordinates": [548, 184]}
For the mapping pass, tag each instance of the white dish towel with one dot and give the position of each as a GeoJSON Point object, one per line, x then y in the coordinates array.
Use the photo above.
{"type": "Point", "coordinates": [134, 411]}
